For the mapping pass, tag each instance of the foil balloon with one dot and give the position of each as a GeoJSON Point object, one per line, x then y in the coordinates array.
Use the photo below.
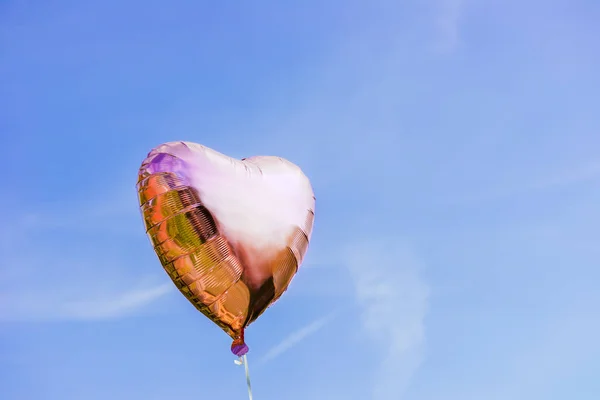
{"type": "Point", "coordinates": [230, 233]}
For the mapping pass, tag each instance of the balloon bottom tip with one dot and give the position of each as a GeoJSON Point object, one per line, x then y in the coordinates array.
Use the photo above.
{"type": "Point", "coordinates": [239, 346]}
{"type": "Point", "coordinates": [239, 349]}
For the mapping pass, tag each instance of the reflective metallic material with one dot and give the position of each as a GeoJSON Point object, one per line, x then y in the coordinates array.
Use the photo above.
{"type": "Point", "coordinates": [230, 233]}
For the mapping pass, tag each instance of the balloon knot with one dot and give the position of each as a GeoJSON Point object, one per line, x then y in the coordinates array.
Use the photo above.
{"type": "Point", "coordinates": [239, 347]}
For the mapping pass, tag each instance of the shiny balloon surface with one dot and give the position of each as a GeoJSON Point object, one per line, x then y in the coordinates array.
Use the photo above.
{"type": "Point", "coordinates": [230, 233]}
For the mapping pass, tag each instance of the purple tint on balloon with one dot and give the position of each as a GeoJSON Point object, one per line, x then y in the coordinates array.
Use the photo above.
{"type": "Point", "coordinates": [163, 162]}
{"type": "Point", "coordinates": [239, 349]}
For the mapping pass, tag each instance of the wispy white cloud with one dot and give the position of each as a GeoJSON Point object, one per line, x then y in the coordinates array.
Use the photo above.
{"type": "Point", "coordinates": [296, 337]}
{"type": "Point", "coordinates": [118, 305]}
{"type": "Point", "coordinates": [51, 272]}
{"type": "Point", "coordinates": [61, 304]}
{"type": "Point", "coordinates": [393, 300]}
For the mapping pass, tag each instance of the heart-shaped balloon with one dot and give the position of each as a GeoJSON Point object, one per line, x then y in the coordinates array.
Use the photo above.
{"type": "Point", "coordinates": [230, 233]}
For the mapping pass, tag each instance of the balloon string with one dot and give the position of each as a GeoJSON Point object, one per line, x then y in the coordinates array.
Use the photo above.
{"type": "Point", "coordinates": [244, 360]}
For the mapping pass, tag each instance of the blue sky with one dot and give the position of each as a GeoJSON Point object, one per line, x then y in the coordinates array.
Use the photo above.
{"type": "Point", "coordinates": [453, 150]}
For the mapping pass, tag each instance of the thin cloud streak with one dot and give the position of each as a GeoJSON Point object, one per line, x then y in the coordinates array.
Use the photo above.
{"type": "Point", "coordinates": [26, 306]}
{"type": "Point", "coordinates": [53, 285]}
{"type": "Point", "coordinates": [581, 174]}
{"type": "Point", "coordinates": [121, 305]}
{"type": "Point", "coordinates": [296, 337]}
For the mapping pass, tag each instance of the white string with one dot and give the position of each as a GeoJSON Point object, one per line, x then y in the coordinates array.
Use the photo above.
{"type": "Point", "coordinates": [244, 360]}
{"type": "Point", "coordinates": [248, 377]}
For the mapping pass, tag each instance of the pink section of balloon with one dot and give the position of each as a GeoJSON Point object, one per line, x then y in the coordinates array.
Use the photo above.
{"type": "Point", "coordinates": [230, 233]}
